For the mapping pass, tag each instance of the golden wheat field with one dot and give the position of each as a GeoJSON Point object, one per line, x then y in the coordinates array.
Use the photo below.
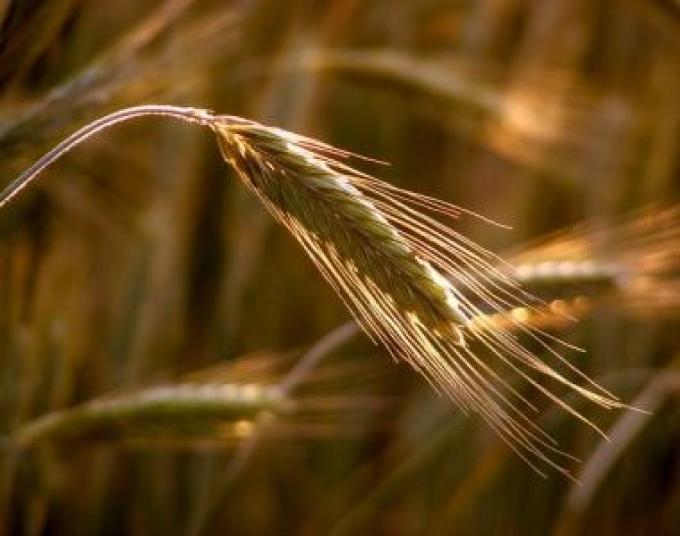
{"type": "Point", "coordinates": [330, 267]}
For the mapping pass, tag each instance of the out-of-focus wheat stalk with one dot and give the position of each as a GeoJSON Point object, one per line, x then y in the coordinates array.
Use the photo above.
{"type": "Point", "coordinates": [664, 385]}
{"type": "Point", "coordinates": [222, 404]}
{"type": "Point", "coordinates": [632, 263]}
{"type": "Point", "coordinates": [129, 70]}
{"type": "Point", "coordinates": [633, 260]}
{"type": "Point", "coordinates": [542, 122]}
{"type": "Point", "coordinates": [289, 386]}
{"type": "Point", "coordinates": [386, 254]}
{"type": "Point", "coordinates": [224, 410]}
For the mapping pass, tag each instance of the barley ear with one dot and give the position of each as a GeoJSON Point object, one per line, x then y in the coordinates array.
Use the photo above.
{"type": "Point", "coordinates": [414, 284]}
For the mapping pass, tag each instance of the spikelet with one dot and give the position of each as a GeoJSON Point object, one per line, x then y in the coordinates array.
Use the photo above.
{"type": "Point", "coordinates": [386, 256]}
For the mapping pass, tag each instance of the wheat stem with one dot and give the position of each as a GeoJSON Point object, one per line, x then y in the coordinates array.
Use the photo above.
{"type": "Point", "coordinates": [188, 115]}
{"type": "Point", "coordinates": [246, 449]}
{"type": "Point", "coordinates": [623, 433]}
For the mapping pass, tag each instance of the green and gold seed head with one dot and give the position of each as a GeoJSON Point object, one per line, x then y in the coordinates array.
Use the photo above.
{"type": "Point", "coordinates": [428, 294]}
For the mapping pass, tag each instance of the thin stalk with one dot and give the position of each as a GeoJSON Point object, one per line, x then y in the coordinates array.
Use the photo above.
{"type": "Point", "coordinates": [186, 114]}
{"type": "Point", "coordinates": [622, 434]}
{"type": "Point", "coordinates": [316, 353]}
{"type": "Point", "coordinates": [212, 505]}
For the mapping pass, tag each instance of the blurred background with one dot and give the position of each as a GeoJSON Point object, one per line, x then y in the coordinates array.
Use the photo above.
{"type": "Point", "coordinates": [139, 260]}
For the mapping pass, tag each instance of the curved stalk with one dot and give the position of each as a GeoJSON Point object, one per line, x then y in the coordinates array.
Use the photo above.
{"type": "Point", "coordinates": [186, 114]}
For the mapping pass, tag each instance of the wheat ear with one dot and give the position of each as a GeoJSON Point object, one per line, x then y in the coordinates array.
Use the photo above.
{"type": "Point", "coordinates": [387, 256]}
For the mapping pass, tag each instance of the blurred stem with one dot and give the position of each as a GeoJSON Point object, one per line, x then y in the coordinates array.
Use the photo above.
{"type": "Point", "coordinates": [622, 434]}
{"type": "Point", "coordinates": [316, 353]}
{"type": "Point", "coordinates": [212, 504]}
{"type": "Point", "coordinates": [355, 520]}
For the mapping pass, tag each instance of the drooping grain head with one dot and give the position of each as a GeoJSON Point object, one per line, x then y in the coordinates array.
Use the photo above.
{"type": "Point", "coordinates": [413, 283]}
